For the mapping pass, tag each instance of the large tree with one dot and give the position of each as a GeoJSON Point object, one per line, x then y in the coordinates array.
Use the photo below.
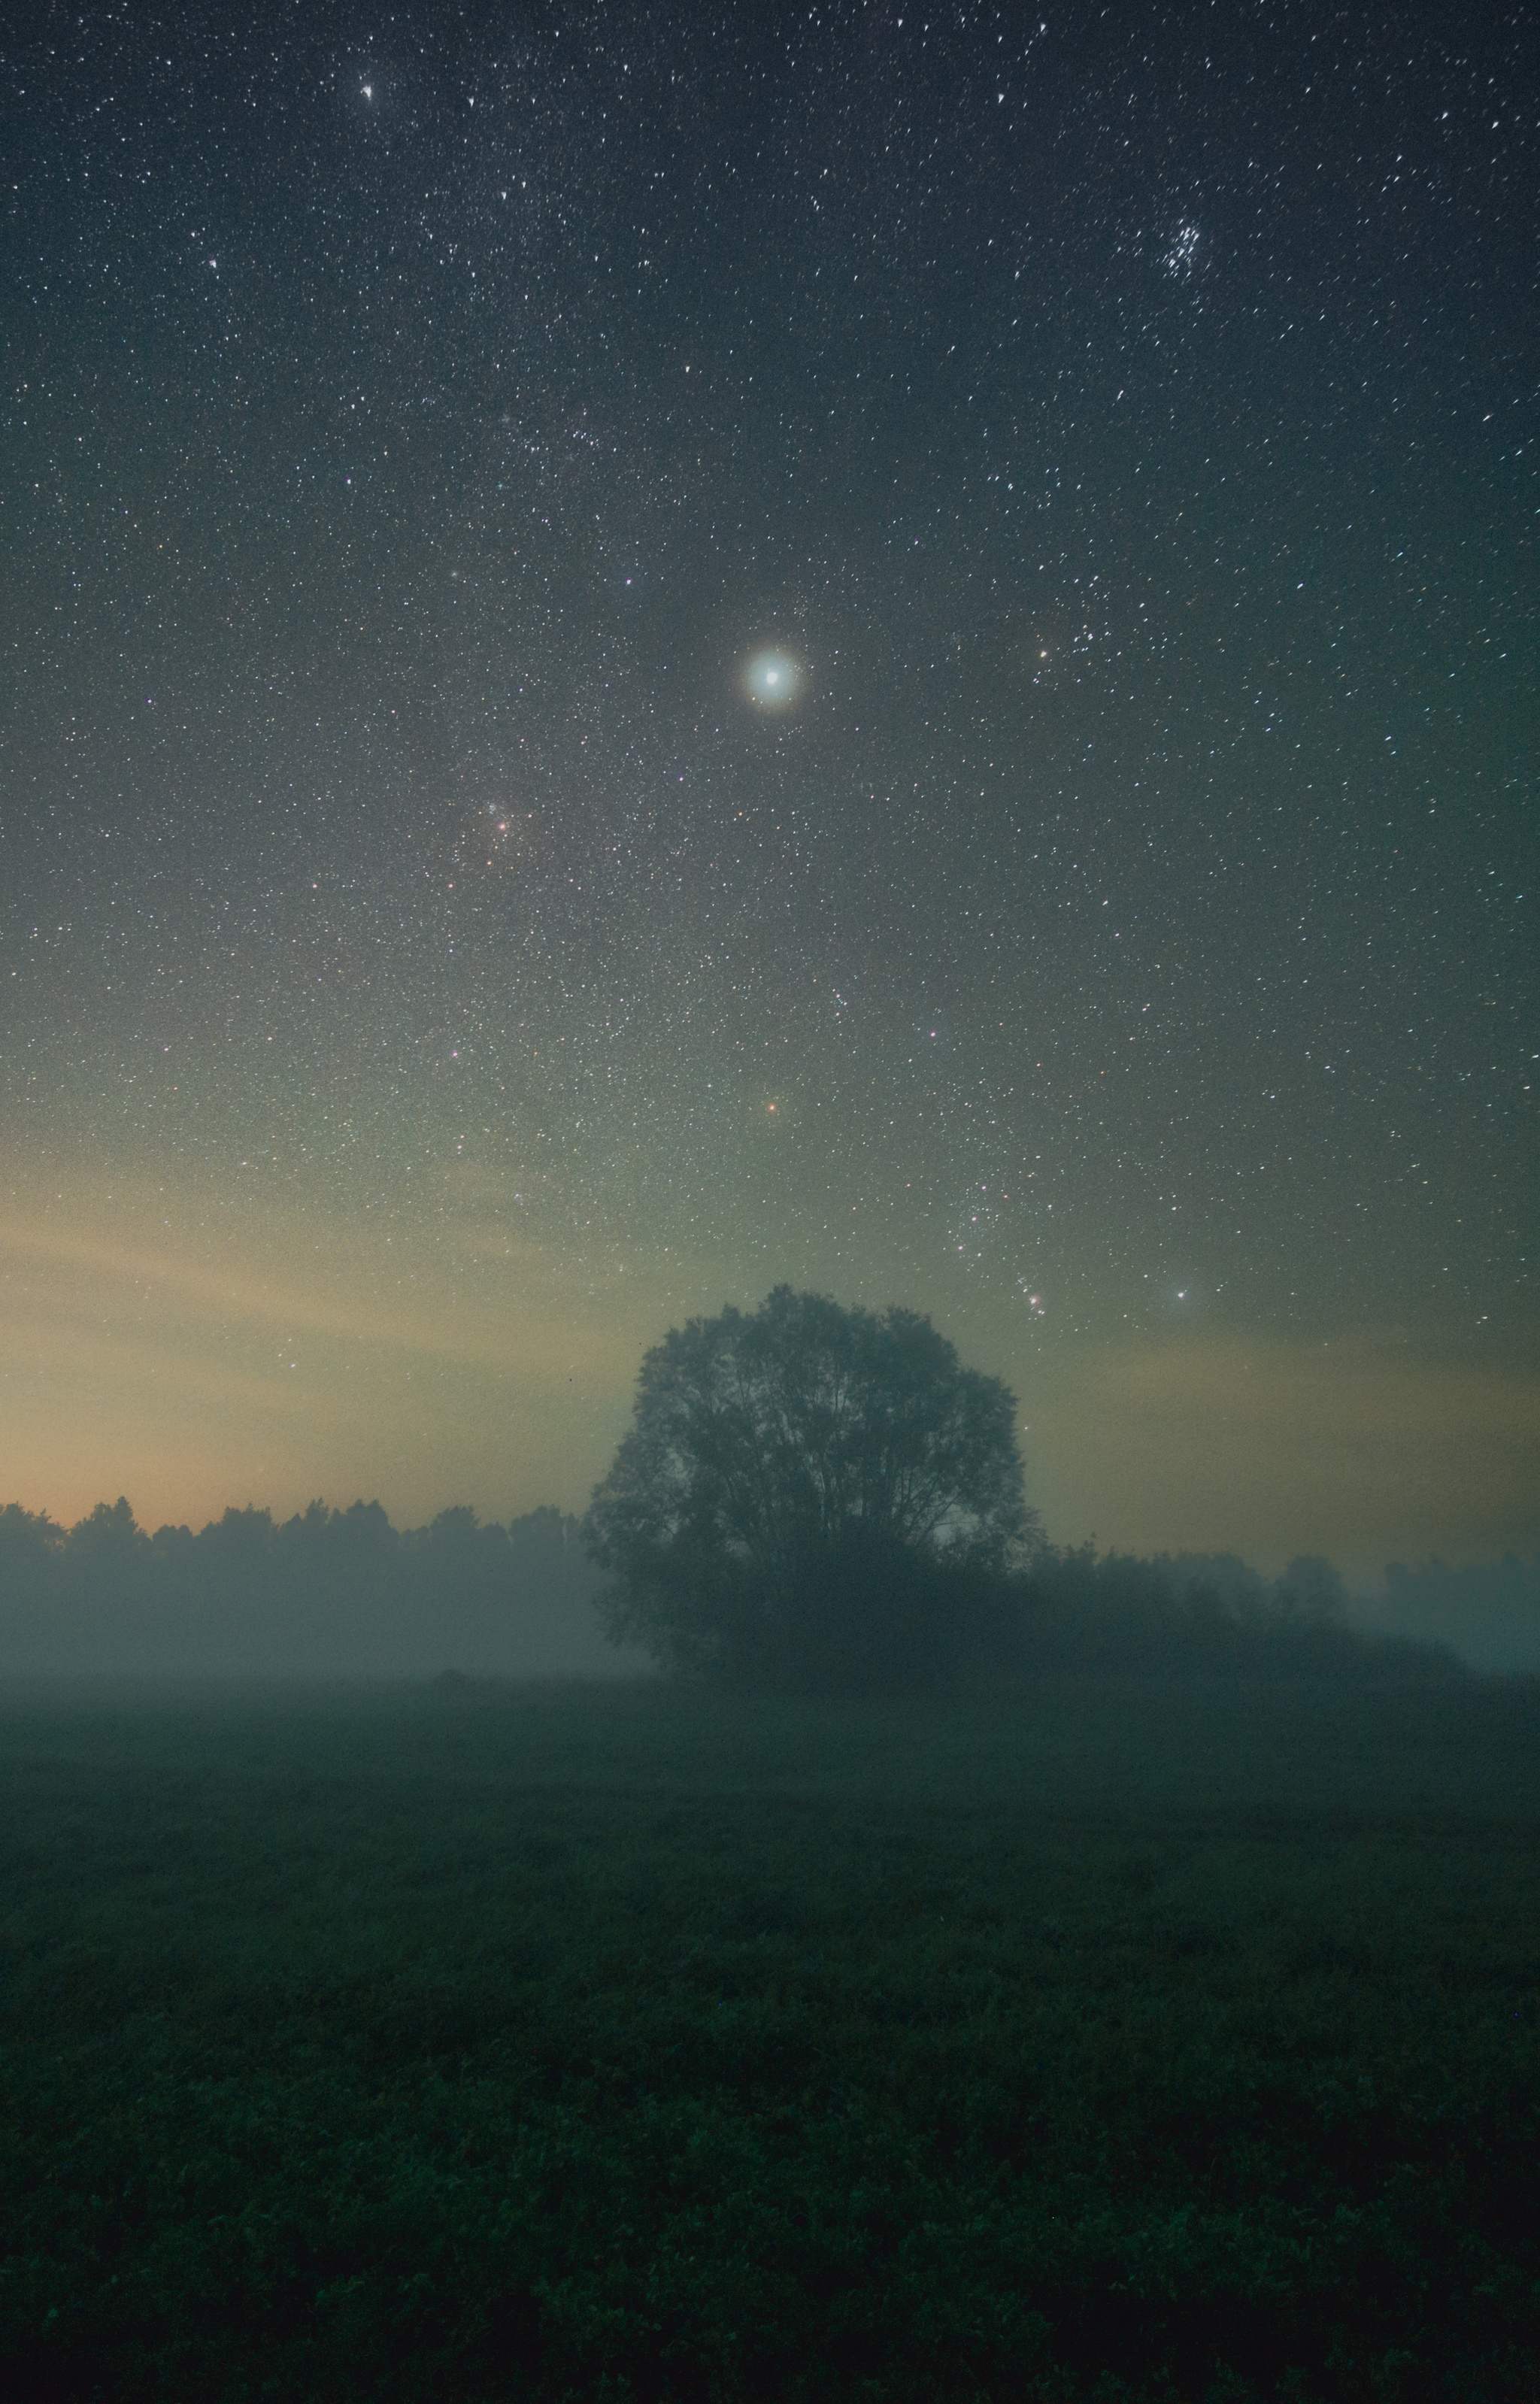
{"type": "Point", "coordinates": [810, 1495]}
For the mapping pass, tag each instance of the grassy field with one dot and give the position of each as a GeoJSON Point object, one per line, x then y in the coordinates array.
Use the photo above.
{"type": "Point", "coordinates": [1144, 2041]}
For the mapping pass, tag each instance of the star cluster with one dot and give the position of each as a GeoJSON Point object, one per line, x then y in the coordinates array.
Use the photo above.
{"type": "Point", "coordinates": [651, 652]}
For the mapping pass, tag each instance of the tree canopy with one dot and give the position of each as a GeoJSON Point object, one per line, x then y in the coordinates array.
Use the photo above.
{"type": "Point", "coordinates": [808, 1494]}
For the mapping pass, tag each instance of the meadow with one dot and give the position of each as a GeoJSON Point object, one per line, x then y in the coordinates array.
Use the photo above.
{"type": "Point", "coordinates": [1121, 2039]}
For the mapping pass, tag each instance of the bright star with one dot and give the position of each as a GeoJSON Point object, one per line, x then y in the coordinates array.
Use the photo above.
{"type": "Point", "coordinates": [772, 679]}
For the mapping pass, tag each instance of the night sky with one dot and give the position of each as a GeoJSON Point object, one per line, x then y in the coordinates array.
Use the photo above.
{"type": "Point", "coordinates": [653, 651]}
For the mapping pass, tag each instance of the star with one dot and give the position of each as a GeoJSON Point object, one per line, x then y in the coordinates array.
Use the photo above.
{"type": "Point", "coordinates": [772, 679]}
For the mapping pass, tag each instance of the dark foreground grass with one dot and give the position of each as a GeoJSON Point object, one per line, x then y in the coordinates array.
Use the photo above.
{"type": "Point", "coordinates": [1122, 2043]}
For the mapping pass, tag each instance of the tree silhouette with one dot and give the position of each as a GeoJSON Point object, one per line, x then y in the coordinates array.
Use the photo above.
{"type": "Point", "coordinates": [810, 1496]}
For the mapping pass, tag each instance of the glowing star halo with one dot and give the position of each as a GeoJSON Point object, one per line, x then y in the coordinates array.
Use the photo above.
{"type": "Point", "coordinates": [772, 679]}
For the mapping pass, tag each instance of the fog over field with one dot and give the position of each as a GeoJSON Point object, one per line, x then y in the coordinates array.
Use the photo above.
{"type": "Point", "coordinates": [1139, 2035]}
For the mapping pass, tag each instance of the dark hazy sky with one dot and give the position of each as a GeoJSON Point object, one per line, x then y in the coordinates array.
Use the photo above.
{"type": "Point", "coordinates": [436, 960]}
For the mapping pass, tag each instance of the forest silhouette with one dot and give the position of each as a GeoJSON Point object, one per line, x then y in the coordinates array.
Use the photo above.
{"type": "Point", "coordinates": [328, 1593]}
{"type": "Point", "coordinates": [336, 1594]}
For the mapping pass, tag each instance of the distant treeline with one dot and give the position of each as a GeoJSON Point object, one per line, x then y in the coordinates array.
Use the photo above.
{"type": "Point", "coordinates": [1215, 1609]}
{"type": "Point", "coordinates": [1210, 1612]}
{"type": "Point", "coordinates": [1073, 1613]}
{"type": "Point", "coordinates": [326, 1593]}
{"type": "Point", "coordinates": [1488, 1612]}
{"type": "Point", "coordinates": [332, 1593]}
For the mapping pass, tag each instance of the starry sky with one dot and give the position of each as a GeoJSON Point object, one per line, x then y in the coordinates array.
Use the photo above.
{"type": "Point", "coordinates": [650, 650]}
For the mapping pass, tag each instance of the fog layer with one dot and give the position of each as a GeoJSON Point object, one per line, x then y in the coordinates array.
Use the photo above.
{"type": "Point", "coordinates": [342, 1594]}
{"type": "Point", "coordinates": [325, 1594]}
